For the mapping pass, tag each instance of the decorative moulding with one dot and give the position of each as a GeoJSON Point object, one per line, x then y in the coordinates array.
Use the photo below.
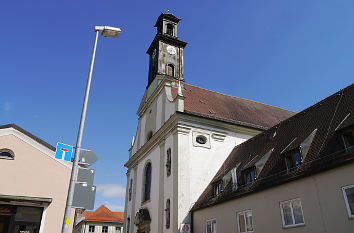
{"type": "Point", "coordinates": [219, 137]}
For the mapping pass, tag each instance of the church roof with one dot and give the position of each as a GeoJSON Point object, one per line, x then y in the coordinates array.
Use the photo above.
{"type": "Point", "coordinates": [103, 214]}
{"type": "Point", "coordinates": [315, 133]}
{"type": "Point", "coordinates": [214, 105]}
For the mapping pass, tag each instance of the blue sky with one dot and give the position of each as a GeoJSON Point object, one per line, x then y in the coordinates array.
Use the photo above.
{"type": "Point", "coordinates": [289, 54]}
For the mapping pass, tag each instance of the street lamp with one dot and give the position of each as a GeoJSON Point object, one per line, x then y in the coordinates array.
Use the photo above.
{"type": "Point", "coordinates": [106, 31]}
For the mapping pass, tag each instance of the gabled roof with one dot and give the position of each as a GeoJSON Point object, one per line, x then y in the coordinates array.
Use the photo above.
{"type": "Point", "coordinates": [214, 105]}
{"type": "Point", "coordinates": [103, 214]}
{"type": "Point", "coordinates": [37, 139]}
{"type": "Point", "coordinates": [313, 130]}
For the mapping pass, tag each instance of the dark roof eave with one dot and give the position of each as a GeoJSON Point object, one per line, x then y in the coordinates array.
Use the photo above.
{"type": "Point", "coordinates": [250, 125]}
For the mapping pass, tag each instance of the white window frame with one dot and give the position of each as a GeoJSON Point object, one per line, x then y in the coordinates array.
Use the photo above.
{"type": "Point", "coordinates": [94, 228]}
{"type": "Point", "coordinates": [244, 219]}
{"type": "Point", "coordinates": [350, 215]}
{"type": "Point", "coordinates": [292, 213]}
{"type": "Point", "coordinates": [206, 225]}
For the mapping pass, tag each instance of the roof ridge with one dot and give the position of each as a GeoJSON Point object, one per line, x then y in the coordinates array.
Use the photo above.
{"type": "Point", "coordinates": [241, 98]}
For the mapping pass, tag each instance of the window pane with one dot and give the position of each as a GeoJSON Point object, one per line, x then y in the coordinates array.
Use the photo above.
{"type": "Point", "coordinates": [208, 227]}
{"type": "Point", "coordinates": [288, 219]}
{"type": "Point", "coordinates": [350, 197]}
{"type": "Point", "coordinates": [214, 226]}
{"type": "Point", "coordinates": [241, 222]}
{"type": "Point", "coordinates": [297, 159]}
{"type": "Point", "coordinates": [249, 221]}
{"type": "Point", "coordinates": [297, 212]}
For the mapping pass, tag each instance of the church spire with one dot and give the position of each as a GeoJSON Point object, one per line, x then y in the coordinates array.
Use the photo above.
{"type": "Point", "coordinates": [166, 50]}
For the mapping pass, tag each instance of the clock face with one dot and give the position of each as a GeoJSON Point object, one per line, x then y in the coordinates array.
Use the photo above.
{"type": "Point", "coordinates": [171, 50]}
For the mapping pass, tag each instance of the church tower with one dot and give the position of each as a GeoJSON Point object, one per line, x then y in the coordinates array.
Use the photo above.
{"type": "Point", "coordinates": [166, 50]}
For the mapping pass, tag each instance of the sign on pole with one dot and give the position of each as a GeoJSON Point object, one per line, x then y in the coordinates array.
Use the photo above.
{"type": "Point", "coordinates": [63, 152]}
{"type": "Point", "coordinates": [84, 196]}
{"type": "Point", "coordinates": [88, 156]}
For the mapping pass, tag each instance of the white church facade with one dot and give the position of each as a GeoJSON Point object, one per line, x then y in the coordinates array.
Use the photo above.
{"type": "Point", "coordinates": [184, 135]}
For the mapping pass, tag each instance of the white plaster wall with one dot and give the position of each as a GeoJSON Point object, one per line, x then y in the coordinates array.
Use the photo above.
{"type": "Point", "coordinates": [98, 227]}
{"type": "Point", "coordinates": [158, 113]}
{"type": "Point", "coordinates": [142, 131]}
{"type": "Point", "coordinates": [198, 165]}
{"type": "Point", "coordinates": [169, 109]}
{"type": "Point", "coordinates": [152, 204]}
{"type": "Point", "coordinates": [168, 184]}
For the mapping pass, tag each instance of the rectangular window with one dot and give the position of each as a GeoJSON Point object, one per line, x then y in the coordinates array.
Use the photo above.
{"type": "Point", "coordinates": [249, 176]}
{"type": "Point", "coordinates": [291, 212]}
{"type": "Point", "coordinates": [218, 188]}
{"type": "Point", "coordinates": [118, 230]}
{"type": "Point", "coordinates": [211, 226]}
{"type": "Point", "coordinates": [293, 161]}
{"type": "Point", "coordinates": [245, 221]}
{"type": "Point", "coordinates": [348, 193]}
{"type": "Point", "coordinates": [91, 228]}
{"type": "Point", "coordinates": [104, 229]}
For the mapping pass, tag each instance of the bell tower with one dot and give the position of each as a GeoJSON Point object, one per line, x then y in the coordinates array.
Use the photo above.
{"type": "Point", "coordinates": [166, 50]}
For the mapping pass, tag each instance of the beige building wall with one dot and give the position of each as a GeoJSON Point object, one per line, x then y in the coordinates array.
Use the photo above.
{"type": "Point", "coordinates": [35, 172]}
{"type": "Point", "coordinates": [323, 205]}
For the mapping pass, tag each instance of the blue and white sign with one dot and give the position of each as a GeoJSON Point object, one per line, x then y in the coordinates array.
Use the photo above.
{"type": "Point", "coordinates": [63, 152]}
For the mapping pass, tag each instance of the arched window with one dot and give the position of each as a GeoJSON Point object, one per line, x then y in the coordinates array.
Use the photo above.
{"type": "Point", "coordinates": [170, 70]}
{"type": "Point", "coordinates": [6, 154]}
{"type": "Point", "coordinates": [168, 213]}
{"type": "Point", "coordinates": [147, 184]}
{"type": "Point", "coordinates": [169, 30]}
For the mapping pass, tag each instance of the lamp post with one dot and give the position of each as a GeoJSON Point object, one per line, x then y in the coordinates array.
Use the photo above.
{"type": "Point", "coordinates": [106, 31]}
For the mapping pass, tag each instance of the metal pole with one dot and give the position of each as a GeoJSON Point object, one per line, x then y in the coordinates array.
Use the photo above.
{"type": "Point", "coordinates": [69, 200]}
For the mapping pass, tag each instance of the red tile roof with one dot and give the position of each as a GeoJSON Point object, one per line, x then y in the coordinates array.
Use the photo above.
{"type": "Point", "coordinates": [103, 214]}
{"type": "Point", "coordinates": [210, 104]}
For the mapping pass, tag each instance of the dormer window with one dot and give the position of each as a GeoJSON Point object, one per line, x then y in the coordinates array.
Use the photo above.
{"type": "Point", "coordinates": [348, 140]}
{"type": "Point", "coordinates": [218, 189]}
{"type": "Point", "coordinates": [249, 176]}
{"type": "Point", "coordinates": [293, 160]}
{"type": "Point", "coordinates": [169, 29]}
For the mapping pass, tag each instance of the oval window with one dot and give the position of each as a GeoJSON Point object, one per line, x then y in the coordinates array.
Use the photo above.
{"type": "Point", "coordinates": [201, 139]}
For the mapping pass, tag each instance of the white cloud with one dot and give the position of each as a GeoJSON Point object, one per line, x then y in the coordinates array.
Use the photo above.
{"type": "Point", "coordinates": [7, 106]}
{"type": "Point", "coordinates": [111, 190]}
{"type": "Point", "coordinates": [114, 207]}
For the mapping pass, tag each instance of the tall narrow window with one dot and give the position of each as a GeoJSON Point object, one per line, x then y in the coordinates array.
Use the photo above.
{"type": "Point", "coordinates": [147, 187]}
{"type": "Point", "coordinates": [169, 30]}
{"type": "Point", "coordinates": [130, 189]}
{"type": "Point", "coordinates": [170, 70]}
{"type": "Point", "coordinates": [245, 221]}
{"type": "Point", "coordinates": [168, 162]}
{"type": "Point", "coordinates": [168, 213]}
{"type": "Point", "coordinates": [211, 226]}
{"type": "Point", "coordinates": [291, 212]}
{"type": "Point", "coordinates": [348, 193]}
